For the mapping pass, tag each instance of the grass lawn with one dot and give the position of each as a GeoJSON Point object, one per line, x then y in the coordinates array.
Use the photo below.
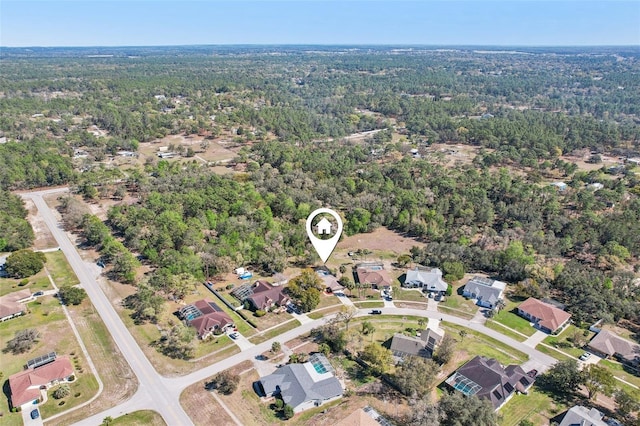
{"type": "Point", "coordinates": [554, 353]}
{"type": "Point", "coordinates": [317, 314]}
{"type": "Point", "coordinates": [618, 370]}
{"type": "Point", "coordinates": [508, 317]}
{"type": "Point", "coordinates": [229, 298]}
{"type": "Point", "coordinates": [81, 390]}
{"type": "Point", "coordinates": [506, 331]}
{"type": "Point", "coordinates": [327, 300]}
{"type": "Point", "coordinates": [259, 338]}
{"type": "Point", "coordinates": [60, 269]}
{"type": "Point", "coordinates": [38, 282]}
{"type": "Point", "coordinates": [400, 293]}
{"type": "Point", "coordinates": [537, 407]}
{"type": "Point", "coordinates": [213, 344]}
{"type": "Point", "coordinates": [476, 343]}
{"type": "Point", "coordinates": [563, 343]}
{"type": "Point", "coordinates": [365, 305]}
{"type": "Point", "coordinates": [139, 418]}
{"type": "Point", "coordinates": [458, 305]}
{"type": "Point", "coordinates": [452, 311]}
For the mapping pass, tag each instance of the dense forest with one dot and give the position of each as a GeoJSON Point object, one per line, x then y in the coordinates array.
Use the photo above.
{"type": "Point", "coordinates": [289, 113]}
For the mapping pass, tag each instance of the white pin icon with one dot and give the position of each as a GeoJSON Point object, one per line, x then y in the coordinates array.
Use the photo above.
{"type": "Point", "coordinates": [324, 247]}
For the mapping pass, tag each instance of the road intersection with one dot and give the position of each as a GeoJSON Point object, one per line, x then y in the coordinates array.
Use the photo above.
{"type": "Point", "coordinates": [162, 394]}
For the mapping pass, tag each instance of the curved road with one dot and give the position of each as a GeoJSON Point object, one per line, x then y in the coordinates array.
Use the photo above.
{"type": "Point", "coordinates": [162, 394]}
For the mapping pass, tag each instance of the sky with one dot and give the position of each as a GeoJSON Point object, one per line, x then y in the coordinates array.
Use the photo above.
{"type": "Point", "coordinates": [374, 22]}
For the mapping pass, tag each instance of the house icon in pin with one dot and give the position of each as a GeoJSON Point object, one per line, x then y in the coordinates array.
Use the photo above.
{"type": "Point", "coordinates": [324, 226]}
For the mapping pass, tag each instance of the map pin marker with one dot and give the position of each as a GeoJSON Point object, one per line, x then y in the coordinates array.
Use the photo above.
{"type": "Point", "coordinates": [324, 247]}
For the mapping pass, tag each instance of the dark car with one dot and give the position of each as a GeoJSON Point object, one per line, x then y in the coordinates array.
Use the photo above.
{"type": "Point", "coordinates": [532, 373]}
{"type": "Point", "coordinates": [38, 293]}
{"type": "Point", "coordinates": [375, 312]}
{"type": "Point", "coordinates": [35, 414]}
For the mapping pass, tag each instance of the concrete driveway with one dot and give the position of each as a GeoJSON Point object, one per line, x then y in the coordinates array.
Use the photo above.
{"type": "Point", "coordinates": [242, 342]}
{"type": "Point", "coordinates": [26, 415]}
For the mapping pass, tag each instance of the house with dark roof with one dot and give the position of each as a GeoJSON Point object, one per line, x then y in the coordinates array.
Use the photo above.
{"type": "Point", "coordinates": [303, 386]}
{"type": "Point", "coordinates": [487, 379]}
{"type": "Point", "coordinates": [26, 385]}
{"type": "Point", "coordinates": [485, 291]}
{"type": "Point", "coordinates": [266, 296]}
{"type": "Point", "coordinates": [583, 416]}
{"type": "Point", "coordinates": [427, 279]}
{"type": "Point", "coordinates": [544, 316]}
{"type": "Point", "coordinates": [374, 274]}
{"type": "Point", "coordinates": [13, 304]}
{"type": "Point", "coordinates": [206, 317]}
{"type": "Point", "coordinates": [423, 346]}
{"type": "Point", "coordinates": [609, 345]}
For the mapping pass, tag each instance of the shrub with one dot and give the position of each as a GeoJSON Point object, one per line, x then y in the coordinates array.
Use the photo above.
{"type": "Point", "coordinates": [24, 282]}
{"type": "Point", "coordinates": [449, 291]}
{"type": "Point", "coordinates": [229, 286]}
{"type": "Point", "coordinates": [63, 391]}
{"type": "Point", "coordinates": [260, 313]}
{"type": "Point", "coordinates": [287, 412]}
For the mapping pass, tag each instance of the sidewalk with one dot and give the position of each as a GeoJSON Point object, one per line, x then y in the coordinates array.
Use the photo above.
{"type": "Point", "coordinates": [536, 338]}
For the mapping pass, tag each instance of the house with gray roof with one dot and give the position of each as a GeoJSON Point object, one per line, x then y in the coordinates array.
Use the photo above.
{"type": "Point", "coordinates": [485, 291]}
{"type": "Point", "coordinates": [583, 416]}
{"type": "Point", "coordinates": [426, 279]}
{"type": "Point", "coordinates": [423, 346]}
{"type": "Point", "coordinates": [487, 379]}
{"type": "Point", "coordinates": [609, 345]}
{"type": "Point", "coordinates": [303, 386]}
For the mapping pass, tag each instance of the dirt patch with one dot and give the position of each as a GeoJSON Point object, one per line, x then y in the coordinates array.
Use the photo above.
{"type": "Point", "coordinates": [409, 305]}
{"type": "Point", "coordinates": [43, 236]}
{"type": "Point", "coordinates": [202, 407]}
{"type": "Point", "coordinates": [382, 239]}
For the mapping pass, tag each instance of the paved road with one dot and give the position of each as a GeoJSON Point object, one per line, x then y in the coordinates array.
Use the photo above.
{"type": "Point", "coordinates": [161, 393]}
{"type": "Point", "coordinates": [151, 388]}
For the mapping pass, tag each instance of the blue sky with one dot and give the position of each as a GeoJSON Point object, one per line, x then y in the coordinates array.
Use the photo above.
{"type": "Point", "coordinates": [452, 22]}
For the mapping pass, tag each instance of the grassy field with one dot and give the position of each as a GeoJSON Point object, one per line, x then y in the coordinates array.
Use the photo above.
{"type": "Point", "coordinates": [562, 341]}
{"type": "Point", "coordinates": [537, 407]}
{"type": "Point", "coordinates": [81, 390]}
{"type": "Point", "coordinates": [400, 293]}
{"type": "Point", "coordinates": [476, 343]}
{"type": "Point", "coordinates": [554, 353]}
{"type": "Point", "coordinates": [618, 370]}
{"type": "Point", "coordinates": [506, 331]}
{"type": "Point", "coordinates": [508, 317]}
{"type": "Point", "coordinates": [365, 305]}
{"type": "Point", "coordinates": [60, 269]}
{"type": "Point", "coordinates": [139, 418]}
{"type": "Point", "coordinates": [259, 338]}
{"type": "Point", "coordinates": [38, 282]}
{"type": "Point", "coordinates": [317, 314]}
{"type": "Point", "coordinates": [452, 311]}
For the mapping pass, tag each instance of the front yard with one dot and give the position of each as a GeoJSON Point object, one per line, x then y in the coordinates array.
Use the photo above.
{"type": "Point", "coordinates": [537, 407]}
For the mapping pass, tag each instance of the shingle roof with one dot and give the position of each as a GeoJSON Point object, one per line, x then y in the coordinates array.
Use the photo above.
{"type": "Point", "coordinates": [550, 316]}
{"type": "Point", "coordinates": [431, 279]}
{"type": "Point", "coordinates": [485, 289]}
{"type": "Point", "coordinates": [487, 379]}
{"type": "Point", "coordinates": [583, 416]}
{"type": "Point", "coordinates": [299, 383]}
{"type": "Point", "coordinates": [402, 345]}
{"type": "Point", "coordinates": [10, 305]}
{"type": "Point", "coordinates": [611, 344]}
{"type": "Point", "coordinates": [264, 294]}
{"type": "Point", "coordinates": [358, 418]}
{"type": "Point", "coordinates": [25, 385]}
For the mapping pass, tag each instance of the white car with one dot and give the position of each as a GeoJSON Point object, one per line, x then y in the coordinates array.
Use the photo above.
{"type": "Point", "coordinates": [234, 335]}
{"type": "Point", "coordinates": [585, 356]}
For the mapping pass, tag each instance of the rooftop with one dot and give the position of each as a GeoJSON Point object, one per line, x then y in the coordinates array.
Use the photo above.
{"type": "Point", "coordinates": [550, 317]}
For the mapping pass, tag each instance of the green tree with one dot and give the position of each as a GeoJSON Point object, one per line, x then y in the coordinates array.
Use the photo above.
{"type": "Point", "coordinates": [460, 410]}
{"type": "Point", "coordinates": [72, 295]}
{"type": "Point", "coordinates": [598, 380]}
{"type": "Point", "coordinates": [276, 347]}
{"type": "Point", "coordinates": [563, 377]}
{"type": "Point", "coordinates": [377, 357]}
{"type": "Point", "coordinates": [224, 382]}
{"type": "Point", "coordinates": [367, 328]}
{"type": "Point", "coordinates": [25, 263]}
{"type": "Point", "coordinates": [62, 391]}
{"type": "Point", "coordinates": [177, 342]}
{"type": "Point", "coordinates": [347, 283]}
{"type": "Point", "coordinates": [287, 412]}
{"type": "Point", "coordinates": [453, 271]}
{"type": "Point", "coordinates": [628, 402]}
{"type": "Point", "coordinates": [416, 376]}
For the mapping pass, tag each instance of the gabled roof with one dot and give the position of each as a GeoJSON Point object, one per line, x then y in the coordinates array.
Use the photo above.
{"type": "Point", "coordinates": [25, 385]}
{"type": "Point", "coordinates": [487, 379]}
{"type": "Point", "coordinates": [583, 416]}
{"type": "Point", "coordinates": [612, 344]}
{"type": "Point", "coordinates": [264, 294]}
{"type": "Point", "coordinates": [300, 383]}
{"type": "Point", "coordinates": [10, 304]}
{"type": "Point", "coordinates": [430, 279]}
{"type": "Point", "coordinates": [550, 316]}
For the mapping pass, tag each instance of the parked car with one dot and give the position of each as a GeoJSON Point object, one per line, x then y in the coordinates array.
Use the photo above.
{"type": "Point", "coordinates": [585, 356]}
{"type": "Point", "coordinates": [100, 263]}
{"type": "Point", "coordinates": [234, 335]}
{"type": "Point", "coordinates": [35, 414]}
{"type": "Point", "coordinates": [38, 293]}
{"type": "Point", "coordinates": [532, 373]}
{"type": "Point", "coordinates": [375, 312]}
